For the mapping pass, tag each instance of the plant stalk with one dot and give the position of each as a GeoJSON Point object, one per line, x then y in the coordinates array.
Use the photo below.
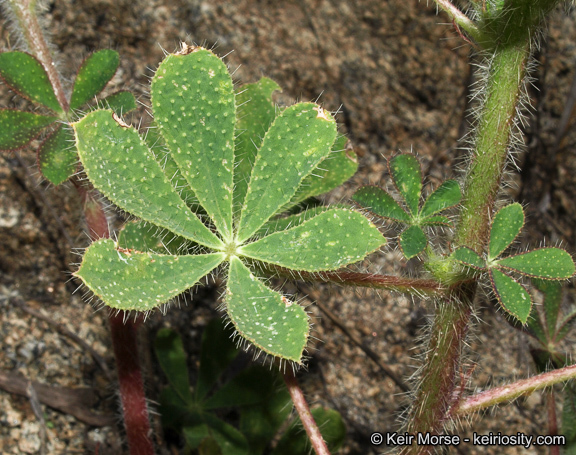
{"type": "Point", "coordinates": [515, 390]}
{"type": "Point", "coordinates": [131, 385]}
{"type": "Point", "coordinates": [438, 392]}
{"type": "Point", "coordinates": [306, 417]}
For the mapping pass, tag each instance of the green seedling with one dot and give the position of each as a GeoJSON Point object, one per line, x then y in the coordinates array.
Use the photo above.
{"type": "Point", "coordinates": [544, 263]}
{"type": "Point", "coordinates": [257, 394]}
{"type": "Point", "coordinates": [406, 175]}
{"type": "Point", "coordinates": [25, 75]}
{"type": "Point", "coordinates": [195, 109]}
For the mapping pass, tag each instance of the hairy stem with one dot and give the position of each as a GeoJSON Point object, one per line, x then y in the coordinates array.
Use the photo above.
{"type": "Point", "coordinates": [515, 390]}
{"type": "Point", "coordinates": [132, 394]}
{"type": "Point", "coordinates": [507, 38]}
{"type": "Point", "coordinates": [413, 286]}
{"type": "Point", "coordinates": [306, 418]}
{"type": "Point", "coordinates": [459, 18]}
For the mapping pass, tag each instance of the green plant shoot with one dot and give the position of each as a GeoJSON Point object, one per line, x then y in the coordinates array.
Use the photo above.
{"type": "Point", "coordinates": [195, 109]}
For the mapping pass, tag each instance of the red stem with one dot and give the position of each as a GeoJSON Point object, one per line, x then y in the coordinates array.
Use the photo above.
{"type": "Point", "coordinates": [123, 331]}
{"type": "Point", "coordinates": [306, 418]}
{"type": "Point", "coordinates": [131, 385]}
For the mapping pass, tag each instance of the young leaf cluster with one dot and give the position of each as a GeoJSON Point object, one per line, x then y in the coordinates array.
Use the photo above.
{"type": "Point", "coordinates": [544, 263]}
{"type": "Point", "coordinates": [257, 394]}
{"type": "Point", "coordinates": [406, 175]}
{"type": "Point", "coordinates": [25, 75]}
{"type": "Point", "coordinates": [241, 189]}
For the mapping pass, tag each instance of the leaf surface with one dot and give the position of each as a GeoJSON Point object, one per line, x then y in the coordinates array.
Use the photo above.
{"type": "Point", "coordinates": [334, 170]}
{"type": "Point", "coordinates": [546, 263]}
{"type": "Point", "coordinates": [18, 128]}
{"type": "Point", "coordinates": [121, 166]}
{"type": "Point", "coordinates": [120, 102]}
{"type": "Point", "coordinates": [93, 75]}
{"type": "Point", "coordinates": [256, 112]}
{"type": "Point", "coordinates": [447, 195]}
{"type": "Point", "coordinates": [140, 281]}
{"type": "Point", "coordinates": [407, 176]}
{"type": "Point", "coordinates": [27, 77]}
{"type": "Point", "coordinates": [57, 156]}
{"type": "Point", "coordinates": [413, 241]}
{"type": "Point", "coordinates": [264, 317]}
{"type": "Point", "coordinates": [469, 257]}
{"type": "Point", "coordinates": [328, 241]}
{"type": "Point", "coordinates": [193, 103]}
{"type": "Point", "coordinates": [296, 142]}
{"type": "Point", "coordinates": [506, 226]}
{"type": "Point", "coordinates": [381, 203]}
{"type": "Point", "coordinates": [511, 295]}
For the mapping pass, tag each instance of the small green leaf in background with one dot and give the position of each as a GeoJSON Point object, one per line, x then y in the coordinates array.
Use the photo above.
{"type": "Point", "coordinates": [93, 75]}
{"type": "Point", "coordinates": [413, 241]}
{"type": "Point", "coordinates": [295, 441]}
{"type": "Point", "coordinates": [57, 156]}
{"type": "Point", "coordinates": [172, 358]}
{"type": "Point", "coordinates": [26, 76]}
{"type": "Point", "coordinates": [18, 128]}
{"type": "Point", "coordinates": [407, 177]}
{"type": "Point", "coordinates": [380, 203]}
{"type": "Point", "coordinates": [511, 295]}
{"type": "Point", "coordinates": [447, 195]}
{"type": "Point", "coordinates": [506, 226]}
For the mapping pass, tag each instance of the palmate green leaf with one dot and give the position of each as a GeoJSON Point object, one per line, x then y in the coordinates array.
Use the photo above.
{"type": "Point", "coordinates": [18, 128]}
{"type": "Point", "coordinates": [381, 203]}
{"type": "Point", "coordinates": [172, 359]}
{"type": "Point", "coordinates": [93, 75]}
{"type": "Point", "coordinates": [447, 195]}
{"type": "Point", "coordinates": [57, 156]}
{"type": "Point", "coordinates": [407, 177]}
{"type": "Point", "coordinates": [547, 263]}
{"type": "Point", "coordinates": [291, 221]}
{"type": "Point", "coordinates": [27, 77]}
{"type": "Point", "coordinates": [507, 224]}
{"type": "Point", "coordinates": [297, 141]}
{"type": "Point", "coordinates": [264, 317]}
{"type": "Point", "coordinates": [330, 240]}
{"type": "Point", "coordinates": [193, 103]}
{"type": "Point", "coordinates": [332, 172]}
{"type": "Point", "coordinates": [413, 241]}
{"type": "Point", "coordinates": [121, 166]}
{"type": "Point", "coordinates": [469, 257]}
{"type": "Point", "coordinates": [256, 112]}
{"type": "Point", "coordinates": [140, 281]}
{"type": "Point", "coordinates": [511, 295]}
